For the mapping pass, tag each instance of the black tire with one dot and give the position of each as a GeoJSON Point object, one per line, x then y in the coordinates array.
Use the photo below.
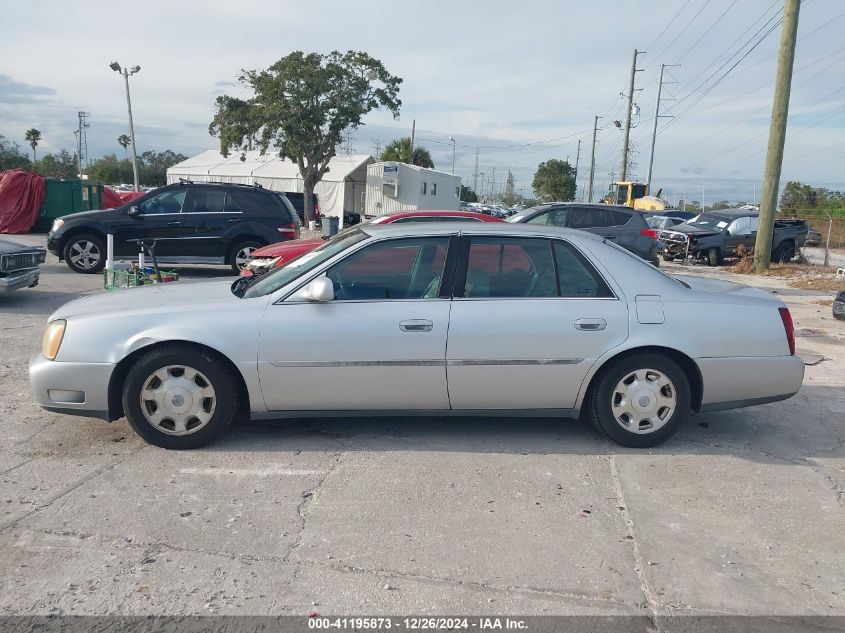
{"type": "Point", "coordinates": [226, 396]}
{"type": "Point", "coordinates": [237, 250]}
{"type": "Point", "coordinates": [714, 257]}
{"type": "Point", "coordinates": [80, 251]}
{"type": "Point", "coordinates": [668, 258]}
{"type": "Point", "coordinates": [784, 252]}
{"type": "Point", "coordinates": [603, 395]}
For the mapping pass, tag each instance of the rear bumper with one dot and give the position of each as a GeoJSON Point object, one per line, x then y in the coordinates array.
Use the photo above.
{"type": "Point", "coordinates": [19, 279]}
{"type": "Point", "coordinates": [735, 382]}
{"type": "Point", "coordinates": [72, 388]}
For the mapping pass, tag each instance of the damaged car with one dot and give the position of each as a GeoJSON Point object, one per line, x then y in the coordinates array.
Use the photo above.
{"type": "Point", "coordinates": [19, 265]}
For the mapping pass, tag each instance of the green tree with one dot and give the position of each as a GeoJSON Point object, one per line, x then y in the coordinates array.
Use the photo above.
{"type": "Point", "coordinates": [123, 140]}
{"type": "Point", "coordinates": [301, 105]}
{"type": "Point", "coordinates": [468, 195]}
{"type": "Point", "coordinates": [554, 181]}
{"type": "Point", "coordinates": [399, 150]}
{"type": "Point", "coordinates": [61, 165]}
{"type": "Point", "coordinates": [152, 166]}
{"type": "Point", "coordinates": [32, 137]}
{"type": "Point", "coordinates": [110, 170]}
{"type": "Point", "coordinates": [11, 156]}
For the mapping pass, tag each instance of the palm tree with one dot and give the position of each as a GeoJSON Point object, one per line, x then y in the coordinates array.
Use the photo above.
{"type": "Point", "coordinates": [33, 136]}
{"type": "Point", "coordinates": [123, 140]}
{"type": "Point", "coordinates": [399, 150]}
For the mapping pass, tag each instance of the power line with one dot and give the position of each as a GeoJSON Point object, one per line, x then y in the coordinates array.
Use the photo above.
{"type": "Point", "coordinates": [712, 26]}
{"type": "Point", "coordinates": [682, 31]}
{"type": "Point", "coordinates": [669, 24]}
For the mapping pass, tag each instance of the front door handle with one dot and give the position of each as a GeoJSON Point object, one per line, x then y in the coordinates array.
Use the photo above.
{"type": "Point", "coordinates": [590, 325]}
{"type": "Point", "coordinates": [416, 325]}
{"type": "Point", "coordinates": [610, 237]}
{"type": "Point", "coordinates": [176, 223]}
{"type": "Point", "coordinates": [232, 221]}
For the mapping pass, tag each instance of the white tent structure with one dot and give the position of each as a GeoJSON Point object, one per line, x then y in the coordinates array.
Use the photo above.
{"type": "Point", "coordinates": [341, 189]}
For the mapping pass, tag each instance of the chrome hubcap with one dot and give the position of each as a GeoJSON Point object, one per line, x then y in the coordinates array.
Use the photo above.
{"type": "Point", "coordinates": [178, 400]}
{"type": "Point", "coordinates": [644, 401]}
{"type": "Point", "coordinates": [84, 254]}
{"type": "Point", "coordinates": [243, 256]}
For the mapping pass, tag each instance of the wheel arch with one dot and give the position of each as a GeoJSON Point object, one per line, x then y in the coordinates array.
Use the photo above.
{"type": "Point", "coordinates": [79, 230]}
{"type": "Point", "coordinates": [121, 370]}
{"type": "Point", "coordinates": [687, 365]}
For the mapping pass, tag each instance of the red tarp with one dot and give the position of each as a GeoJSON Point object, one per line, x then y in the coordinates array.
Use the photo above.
{"type": "Point", "coordinates": [111, 199]}
{"type": "Point", "coordinates": [21, 196]}
{"type": "Point", "coordinates": [129, 196]}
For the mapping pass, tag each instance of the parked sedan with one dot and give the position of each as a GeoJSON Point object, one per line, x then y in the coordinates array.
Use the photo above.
{"type": "Point", "coordinates": [19, 265]}
{"type": "Point", "coordinates": [615, 223]}
{"type": "Point", "coordinates": [439, 319]}
{"type": "Point", "coordinates": [279, 254]}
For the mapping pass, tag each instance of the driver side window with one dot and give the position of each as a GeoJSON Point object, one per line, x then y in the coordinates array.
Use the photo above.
{"type": "Point", "coordinates": [740, 226]}
{"type": "Point", "coordinates": [165, 202]}
{"type": "Point", "coordinates": [394, 269]}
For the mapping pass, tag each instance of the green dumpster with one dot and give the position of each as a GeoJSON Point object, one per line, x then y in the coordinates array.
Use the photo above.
{"type": "Point", "coordinates": [63, 197]}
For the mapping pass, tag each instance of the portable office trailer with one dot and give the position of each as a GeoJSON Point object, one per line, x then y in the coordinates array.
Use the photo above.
{"type": "Point", "coordinates": [394, 187]}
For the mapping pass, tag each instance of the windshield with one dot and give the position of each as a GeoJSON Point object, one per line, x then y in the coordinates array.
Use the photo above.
{"type": "Point", "coordinates": [522, 214]}
{"type": "Point", "coordinates": [706, 220]}
{"type": "Point", "coordinates": [282, 276]}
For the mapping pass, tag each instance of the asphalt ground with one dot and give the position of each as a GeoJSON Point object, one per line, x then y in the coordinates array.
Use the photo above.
{"type": "Point", "coordinates": [741, 513]}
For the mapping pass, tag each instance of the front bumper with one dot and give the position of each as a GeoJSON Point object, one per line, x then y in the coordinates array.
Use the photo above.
{"type": "Point", "coordinates": [73, 388]}
{"type": "Point", "coordinates": [53, 246]}
{"type": "Point", "coordinates": [19, 279]}
{"type": "Point", "coordinates": [735, 382]}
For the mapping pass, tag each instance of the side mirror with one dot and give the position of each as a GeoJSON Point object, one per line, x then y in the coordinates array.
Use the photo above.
{"type": "Point", "coordinates": [134, 212]}
{"type": "Point", "coordinates": [320, 290]}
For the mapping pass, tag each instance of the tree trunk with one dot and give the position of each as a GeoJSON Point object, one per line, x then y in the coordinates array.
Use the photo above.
{"type": "Point", "coordinates": [308, 194]}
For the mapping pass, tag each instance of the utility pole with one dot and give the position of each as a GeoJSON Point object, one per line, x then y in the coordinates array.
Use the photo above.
{"type": "Point", "coordinates": [577, 160]}
{"type": "Point", "coordinates": [413, 133]}
{"type": "Point", "coordinates": [628, 115]}
{"type": "Point", "coordinates": [777, 137]}
{"type": "Point", "coordinates": [78, 154]}
{"type": "Point", "coordinates": [657, 116]}
{"type": "Point", "coordinates": [493, 183]}
{"type": "Point", "coordinates": [377, 146]}
{"type": "Point", "coordinates": [593, 159]}
{"type": "Point", "coordinates": [475, 174]}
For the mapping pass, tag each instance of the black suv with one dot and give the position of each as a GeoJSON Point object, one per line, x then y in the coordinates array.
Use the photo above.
{"type": "Point", "coordinates": [624, 226]}
{"type": "Point", "coordinates": [191, 223]}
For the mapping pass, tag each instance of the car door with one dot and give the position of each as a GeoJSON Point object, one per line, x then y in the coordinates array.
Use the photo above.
{"type": "Point", "coordinates": [205, 219]}
{"type": "Point", "coordinates": [739, 232]}
{"type": "Point", "coordinates": [158, 218]}
{"type": "Point", "coordinates": [530, 316]}
{"type": "Point", "coordinates": [380, 344]}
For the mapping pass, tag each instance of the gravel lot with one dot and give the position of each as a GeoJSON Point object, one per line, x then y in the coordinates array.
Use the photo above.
{"type": "Point", "coordinates": [741, 513]}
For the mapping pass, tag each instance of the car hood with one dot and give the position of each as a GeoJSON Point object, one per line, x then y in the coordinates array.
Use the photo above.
{"type": "Point", "coordinates": [88, 214]}
{"type": "Point", "coordinates": [149, 298]}
{"type": "Point", "coordinates": [282, 248]}
{"type": "Point", "coordinates": [7, 247]}
{"type": "Point", "coordinates": [692, 229]}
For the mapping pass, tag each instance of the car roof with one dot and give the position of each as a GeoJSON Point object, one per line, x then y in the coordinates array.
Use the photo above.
{"type": "Point", "coordinates": [733, 213]}
{"type": "Point", "coordinates": [596, 205]}
{"type": "Point", "coordinates": [435, 213]}
{"type": "Point", "coordinates": [475, 228]}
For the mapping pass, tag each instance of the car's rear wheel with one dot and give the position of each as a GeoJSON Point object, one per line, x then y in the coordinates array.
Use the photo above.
{"type": "Point", "coordinates": [180, 397]}
{"type": "Point", "coordinates": [85, 254]}
{"type": "Point", "coordinates": [784, 252]}
{"type": "Point", "coordinates": [640, 401]}
{"type": "Point", "coordinates": [241, 252]}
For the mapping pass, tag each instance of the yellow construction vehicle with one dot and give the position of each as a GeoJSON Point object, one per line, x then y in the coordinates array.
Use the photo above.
{"type": "Point", "coordinates": [635, 195]}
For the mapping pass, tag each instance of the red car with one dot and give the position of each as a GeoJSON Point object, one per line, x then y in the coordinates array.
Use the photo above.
{"type": "Point", "coordinates": [279, 254]}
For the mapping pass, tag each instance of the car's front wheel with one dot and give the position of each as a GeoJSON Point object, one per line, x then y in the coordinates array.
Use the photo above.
{"type": "Point", "coordinates": [85, 254]}
{"type": "Point", "coordinates": [640, 401]}
{"type": "Point", "coordinates": [668, 258]}
{"type": "Point", "coordinates": [241, 252]}
{"type": "Point", "coordinates": [180, 397]}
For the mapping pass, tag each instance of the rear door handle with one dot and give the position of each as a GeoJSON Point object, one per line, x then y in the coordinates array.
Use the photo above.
{"type": "Point", "coordinates": [610, 237]}
{"type": "Point", "coordinates": [177, 223]}
{"type": "Point", "coordinates": [590, 325]}
{"type": "Point", "coordinates": [416, 325]}
{"type": "Point", "coordinates": [232, 221]}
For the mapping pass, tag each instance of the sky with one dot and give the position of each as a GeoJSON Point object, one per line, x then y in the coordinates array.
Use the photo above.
{"type": "Point", "coordinates": [521, 81]}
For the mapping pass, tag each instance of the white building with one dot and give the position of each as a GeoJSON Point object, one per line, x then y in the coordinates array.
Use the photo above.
{"type": "Point", "coordinates": [341, 189]}
{"type": "Point", "coordinates": [394, 187]}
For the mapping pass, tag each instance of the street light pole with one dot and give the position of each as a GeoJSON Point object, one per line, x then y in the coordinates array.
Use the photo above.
{"type": "Point", "coordinates": [126, 72]}
{"type": "Point", "coordinates": [452, 138]}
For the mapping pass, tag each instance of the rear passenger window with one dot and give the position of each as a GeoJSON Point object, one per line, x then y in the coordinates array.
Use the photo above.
{"type": "Point", "coordinates": [589, 218]}
{"type": "Point", "coordinates": [207, 201]}
{"type": "Point", "coordinates": [254, 202]}
{"type": "Point", "coordinates": [576, 277]}
{"type": "Point", "coordinates": [618, 218]}
{"type": "Point", "coordinates": [510, 267]}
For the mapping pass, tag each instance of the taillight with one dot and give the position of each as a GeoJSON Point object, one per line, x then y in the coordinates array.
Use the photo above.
{"type": "Point", "coordinates": [288, 230]}
{"type": "Point", "coordinates": [652, 233]}
{"type": "Point", "coordinates": [789, 328]}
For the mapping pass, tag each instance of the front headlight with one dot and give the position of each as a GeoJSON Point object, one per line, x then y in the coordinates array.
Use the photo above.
{"type": "Point", "coordinates": [52, 339]}
{"type": "Point", "coordinates": [57, 224]}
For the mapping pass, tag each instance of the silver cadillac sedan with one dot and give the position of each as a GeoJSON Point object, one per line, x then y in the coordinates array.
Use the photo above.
{"type": "Point", "coordinates": [437, 319]}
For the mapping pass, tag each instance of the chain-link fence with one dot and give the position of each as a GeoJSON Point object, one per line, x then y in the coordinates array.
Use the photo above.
{"type": "Point", "coordinates": [819, 230]}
